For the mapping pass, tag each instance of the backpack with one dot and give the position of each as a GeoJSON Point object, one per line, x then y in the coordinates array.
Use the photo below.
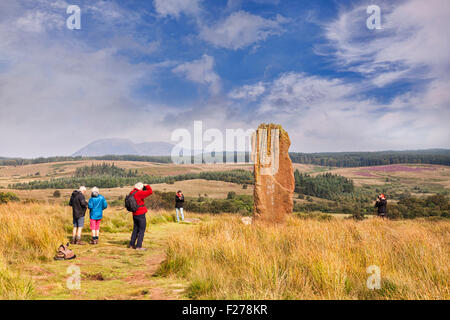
{"type": "Point", "coordinates": [64, 253]}
{"type": "Point", "coordinates": [130, 202]}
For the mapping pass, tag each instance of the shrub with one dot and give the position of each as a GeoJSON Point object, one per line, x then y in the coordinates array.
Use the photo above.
{"type": "Point", "coordinates": [6, 197]}
{"type": "Point", "coordinates": [409, 207]}
{"type": "Point", "coordinates": [231, 195]}
{"type": "Point", "coordinates": [328, 186]}
{"type": "Point", "coordinates": [56, 194]}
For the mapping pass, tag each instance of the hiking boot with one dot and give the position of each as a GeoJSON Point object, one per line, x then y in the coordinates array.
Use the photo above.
{"type": "Point", "coordinates": [73, 241]}
{"type": "Point", "coordinates": [78, 241]}
{"type": "Point", "coordinates": [92, 241]}
{"type": "Point", "coordinates": [141, 249]}
{"type": "Point", "coordinates": [96, 241]}
{"type": "Point", "coordinates": [129, 246]}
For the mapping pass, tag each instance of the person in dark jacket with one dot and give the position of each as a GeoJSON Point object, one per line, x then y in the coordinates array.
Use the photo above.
{"type": "Point", "coordinates": [79, 206]}
{"type": "Point", "coordinates": [381, 204]}
{"type": "Point", "coordinates": [140, 192]}
{"type": "Point", "coordinates": [179, 201]}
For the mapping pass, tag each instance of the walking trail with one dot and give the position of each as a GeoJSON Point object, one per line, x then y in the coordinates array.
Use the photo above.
{"type": "Point", "coordinates": [110, 270]}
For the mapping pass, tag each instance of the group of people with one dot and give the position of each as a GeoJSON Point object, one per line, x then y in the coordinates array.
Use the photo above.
{"type": "Point", "coordinates": [97, 203]}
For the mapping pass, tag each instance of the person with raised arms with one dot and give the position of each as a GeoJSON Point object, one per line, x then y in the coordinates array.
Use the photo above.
{"type": "Point", "coordinates": [134, 202]}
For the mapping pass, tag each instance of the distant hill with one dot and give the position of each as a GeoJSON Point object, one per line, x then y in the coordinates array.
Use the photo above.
{"type": "Point", "coordinates": [117, 146]}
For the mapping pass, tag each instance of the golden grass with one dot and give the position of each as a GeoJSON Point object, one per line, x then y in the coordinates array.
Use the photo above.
{"type": "Point", "coordinates": [31, 233]}
{"type": "Point", "coordinates": [310, 259]}
{"type": "Point", "coordinates": [13, 285]}
{"type": "Point", "coordinates": [224, 259]}
{"type": "Point", "coordinates": [28, 233]}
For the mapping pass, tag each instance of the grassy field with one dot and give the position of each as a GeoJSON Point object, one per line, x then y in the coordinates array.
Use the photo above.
{"type": "Point", "coordinates": [47, 171]}
{"type": "Point", "coordinates": [222, 258]}
{"type": "Point", "coordinates": [416, 179]}
{"type": "Point", "coordinates": [31, 233]}
{"type": "Point", "coordinates": [313, 256]}
{"type": "Point", "coordinates": [310, 259]}
{"type": "Point", "coordinates": [407, 176]}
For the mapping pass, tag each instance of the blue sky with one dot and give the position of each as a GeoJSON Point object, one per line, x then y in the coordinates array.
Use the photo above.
{"type": "Point", "coordinates": [142, 69]}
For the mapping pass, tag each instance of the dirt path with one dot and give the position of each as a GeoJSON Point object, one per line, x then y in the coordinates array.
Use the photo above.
{"type": "Point", "coordinates": [110, 270]}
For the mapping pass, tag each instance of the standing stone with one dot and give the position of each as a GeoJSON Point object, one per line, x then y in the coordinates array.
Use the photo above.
{"type": "Point", "coordinates": [274, 175]}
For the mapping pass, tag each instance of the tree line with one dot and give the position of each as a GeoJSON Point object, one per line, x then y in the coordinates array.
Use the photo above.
{"type": "Point", "coordinates": [331, 159]}
{"type": "Point", "coordinates": [104, 169]}
{"type": "Point", "coordinates": [364, 159]}
{"type": "Point", "coordinates": [21, 161]}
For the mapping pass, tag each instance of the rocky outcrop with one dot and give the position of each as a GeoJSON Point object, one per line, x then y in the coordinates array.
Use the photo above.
{"type": "Point", "coordinates": [274, 175]}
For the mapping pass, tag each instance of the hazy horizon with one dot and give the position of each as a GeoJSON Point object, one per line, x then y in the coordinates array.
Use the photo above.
{"type": "Point", "coordinates": [290, 150]}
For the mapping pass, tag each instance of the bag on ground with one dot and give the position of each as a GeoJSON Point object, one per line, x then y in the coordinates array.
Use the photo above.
{"type": "Point", "coordinates": [64, 253]}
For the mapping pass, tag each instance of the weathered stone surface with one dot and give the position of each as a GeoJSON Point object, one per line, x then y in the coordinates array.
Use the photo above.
{"type": "Point", "coordinates": [274, 176]}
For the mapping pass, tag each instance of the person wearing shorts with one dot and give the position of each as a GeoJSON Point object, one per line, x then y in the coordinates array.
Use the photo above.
{"type": "Point", "coordinates": [78, 222]}
{"type": "Point", "coordinates": [79, 206]}
{"type": "Point", "coordinates": [97, 203]}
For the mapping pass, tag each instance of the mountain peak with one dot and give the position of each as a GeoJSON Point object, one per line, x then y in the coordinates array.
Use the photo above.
{"type": "Point", "coordinates": [121, 146]}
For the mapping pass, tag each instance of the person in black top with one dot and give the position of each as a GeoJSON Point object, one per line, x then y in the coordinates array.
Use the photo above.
{"type": "Point", "coordinates": [79, 206]}
{"type": "Point", "coordinates": [179, 201]}
{"type": "Point", "coordinates": [381, 204]}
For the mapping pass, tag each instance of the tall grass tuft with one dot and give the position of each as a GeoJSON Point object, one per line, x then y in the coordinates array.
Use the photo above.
{"type": "Point", "coordinates": [13, 286]}
{"type": "Point", "coordinates": [312, 259]}
{"type": "Point", "coordinates": [30, 232]}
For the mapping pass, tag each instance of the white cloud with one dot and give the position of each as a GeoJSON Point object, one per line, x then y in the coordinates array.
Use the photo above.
{"type": "Point", "coordinates": [59, 93]}
{"type": "Point", "coordinates": [176, 7]}
{"type": "Point", "coordinates": [411, 43]}
{"type": "Point", "coordinates": [326, 114]}
{"type": "Point", "coordinates": [242, 29]}
{"type": "Point", "coordinates": [39, 21]}
{"type": "Point", "coordinates": [201, 71]}
{"type": "Point", "coordinates": [249, 92]}
{"type": "Point", "coordinates": [330, 114]}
